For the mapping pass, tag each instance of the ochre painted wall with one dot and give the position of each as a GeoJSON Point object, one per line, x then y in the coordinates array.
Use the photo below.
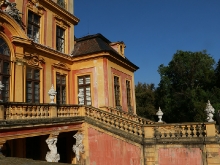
{"type": "Point", "coordinates": [105, 149]}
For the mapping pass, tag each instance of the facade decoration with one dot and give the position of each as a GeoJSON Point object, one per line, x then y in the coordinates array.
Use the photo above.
{"type": "Point", "coordinates": [78, 147]}
{"type": "Point", "coordinates": [52, 155]}
{"type": "Point", "coordinates": [52, 93]}
{"type": "Point", "coordinates": [210, 111]}
{"type": "Point", "coordinates": [33, 59]}
{"type": "Point", "coordinates": [12, 10]}
{"type": "Point", "coordinates": [159, 114]}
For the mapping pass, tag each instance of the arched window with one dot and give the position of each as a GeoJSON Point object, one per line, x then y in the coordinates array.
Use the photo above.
{"type": "Point", "coordinates": [4, 69]}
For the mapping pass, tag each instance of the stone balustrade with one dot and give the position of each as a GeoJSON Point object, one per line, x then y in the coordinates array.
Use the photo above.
{"type": "Point", "coordinates": [26, 111]}
{"type": "Point", "coordinates": [115, 120]}
{"type": "Point", "coordinates": [126, 115]}
{"type": "Point", "coordinates": [110, 117]}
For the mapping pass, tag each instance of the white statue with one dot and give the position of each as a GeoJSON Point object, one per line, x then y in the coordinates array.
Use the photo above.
{"type": "Point", "coordinates": [210, 111]}
{"type": "Point", "coordinates": [52, 155]}
{"type": "Point", "coordinates": [78, 147]}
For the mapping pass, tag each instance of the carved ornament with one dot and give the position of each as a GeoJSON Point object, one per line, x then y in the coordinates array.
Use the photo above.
{"type": "Point", "coordinates": [61, 22]}
{"type": "Point", "coordinates": [12, 11]}
{"type": "Point", "coordinates": [62, 66]}
{"type": "Point", "coordinates": [36, 7]}
{"type": "Point", "coordinates": [33, 59]}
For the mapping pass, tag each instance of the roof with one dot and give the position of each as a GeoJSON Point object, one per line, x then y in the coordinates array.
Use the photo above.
{"type": "Point", "coordinates": [96, 43]}
{"type": "Point", "coordinates": [91, 44]}
{"type": "Point", "coordinates": [23, 161]}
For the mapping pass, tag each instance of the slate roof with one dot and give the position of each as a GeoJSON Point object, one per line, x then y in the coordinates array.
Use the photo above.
{"type": "Point", "coordinates": [92, 44]}
{"type": "Point", "coordinates": [23, 161]}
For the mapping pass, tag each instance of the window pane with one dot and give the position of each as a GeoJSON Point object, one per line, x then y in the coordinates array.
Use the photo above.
{"type": "Point", "coordinates": [80, 81]}
{"type": "Point", "coordinates": [63, 80]}
{"type": "Point", "coordinates": [87, 80]}
{"type": "Point", "coordinates": [4, 49]}
{"type": "Point", "coordinates": [29, 73]}
{"type": "Point", "coordinates": [36, 74]}
{"type": "Point", "coordinates": [64, 95]}
{"type": "Point", "coordinates": [81, 96]}
{"type": "Point", "coordinates": [6, 68]}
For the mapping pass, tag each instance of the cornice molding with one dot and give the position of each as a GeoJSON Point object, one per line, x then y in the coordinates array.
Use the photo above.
{"type": "Point", "coordinates": [74, 20]}
{"type": "Point", "coordinates": [61, 65]}
{"type": "Point", "coordinates": [52, 51]}
{"type": "Point", "coordinates": [62, 22]}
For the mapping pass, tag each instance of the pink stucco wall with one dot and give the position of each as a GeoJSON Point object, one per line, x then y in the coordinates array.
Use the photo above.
{"type": "Point", "coordinates": [108, 150]}
{"type": "Point", "coordinates": [180, 156]}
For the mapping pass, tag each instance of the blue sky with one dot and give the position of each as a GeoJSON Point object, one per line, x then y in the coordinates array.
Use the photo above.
{"type": "Point", "coordinates": [153, 30]}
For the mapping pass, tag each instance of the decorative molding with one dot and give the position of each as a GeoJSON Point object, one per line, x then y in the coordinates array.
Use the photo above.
{"type": "Point", "coordinates": [61, 22]}
{"type": "Point", "coordinates": [61, 65]}
{"type": "Point", "coordinates": [74, 20]}
{"type": "Point", "coordinates": [33, 59]}
{"type": "Point", "coordinates": [36, 7]}
{"type": "Point", "coordinates": [78, 147]}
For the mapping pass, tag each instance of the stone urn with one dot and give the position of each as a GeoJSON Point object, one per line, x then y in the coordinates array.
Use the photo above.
{"type": "Point", "coordinates": [159, 114]}
{"type": "Point", "coordinates": [52, 93]}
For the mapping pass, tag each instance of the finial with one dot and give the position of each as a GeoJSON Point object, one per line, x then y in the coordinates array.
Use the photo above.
{"type": "Point", "coordinates": [159, 114]}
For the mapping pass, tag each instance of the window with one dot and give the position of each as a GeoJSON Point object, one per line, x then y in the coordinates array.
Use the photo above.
{"type": "Point", "coordinates": [32, 85]}
{"type": "Point", "coordinates": [61, 88]}
{"type": "Point", "coordinates": [33, 29]}
{"type": "Point", "coordinates": [128, 89]}
{"type": "Point", "coordinates": [61, 3]}
{"type": "Point", "coordinates": [60, 39]}
{"type": "Point", "coordinates": [84, 90]}
{"type": "Point", "coordinates": [117, 91]}
{"type": "Point", "coordinates": [4, 69]}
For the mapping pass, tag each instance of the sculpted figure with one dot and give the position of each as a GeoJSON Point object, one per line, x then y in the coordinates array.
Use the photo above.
{"type": "Point", "coordinates": [12, 11]}
{"type": "Point", "coordinates": [52, 155]}
{"type": "Point", "coordinates": [78, 147]}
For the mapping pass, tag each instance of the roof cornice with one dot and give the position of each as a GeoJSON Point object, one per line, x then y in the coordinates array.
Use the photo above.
{"type": "Point", "coordinates": [55, 6]}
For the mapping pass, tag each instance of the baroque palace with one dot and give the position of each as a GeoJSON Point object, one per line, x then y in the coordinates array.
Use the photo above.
{"type": "Point", "coordinates": [72, 100]}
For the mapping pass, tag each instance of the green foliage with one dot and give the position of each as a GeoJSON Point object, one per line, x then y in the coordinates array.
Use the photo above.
{"type": "Point", "coordinates": [145, 100]}
{"type": "Point", "coordinates": [186, 84]}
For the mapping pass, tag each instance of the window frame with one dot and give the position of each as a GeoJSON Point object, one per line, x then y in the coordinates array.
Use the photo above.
{"type": "Point", "coordinates": [62, 87]}
{"type": "Point", "coordinates": [117, 91]}
{"type": "Point", "coordinates": [84, 86]}
{"type": "Point", "coordinates": [5, 75]}
{"type": "Point", "coordinates": [60, 48]}
{"type": "Point", "coordinates": [33, 82]}
{"type": "Point", "coordinates": [128, 92]}
{"type": "Point", "coordinates": [31, 23]}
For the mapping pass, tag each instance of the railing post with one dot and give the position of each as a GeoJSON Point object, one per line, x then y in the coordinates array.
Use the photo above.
{"type": "Point", "coordinates": [2, 112]}
{"type": "Point", "coordinates": [53, 111]}
{"type": "Point", "coordinates": [148, 132]}
{"type": "Point", "coordinates": [210, 129]}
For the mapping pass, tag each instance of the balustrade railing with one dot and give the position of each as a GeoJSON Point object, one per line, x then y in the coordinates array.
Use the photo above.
{"type": "Point", "coordinates": [26, 111]}
{"type": "Point", "coordinates": [111, 117]}
{"type": "Point", "coordinates": [180, 131]}
{"type": "Point", "coordinates": [128, 116]}
{"type": "Point", "coordinates": [115, 120]}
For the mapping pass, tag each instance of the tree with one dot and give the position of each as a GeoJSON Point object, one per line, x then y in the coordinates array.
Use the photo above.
{"type": "Point", "coordinates": [186, 85]}
{"type": "Point", "coordinates": [145, 100]}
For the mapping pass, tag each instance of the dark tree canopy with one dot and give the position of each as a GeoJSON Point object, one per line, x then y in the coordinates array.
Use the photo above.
{"type": "Point", "coordinates": [187, 83]}
{"type": "Point", "coordinates": [145, 100]}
